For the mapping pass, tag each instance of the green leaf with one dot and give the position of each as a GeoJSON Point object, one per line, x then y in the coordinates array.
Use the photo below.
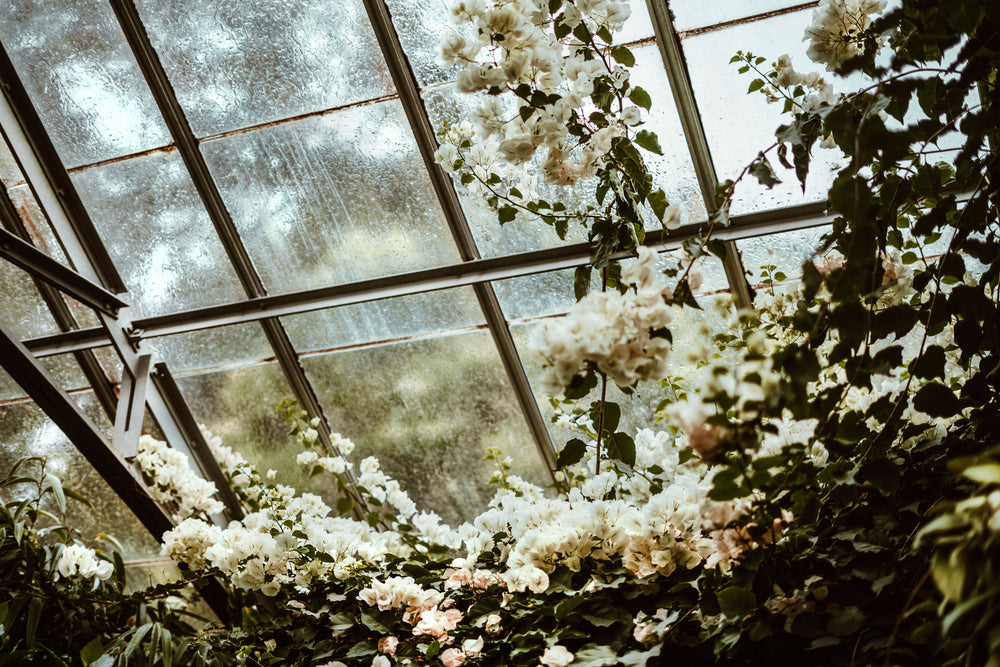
{"type": "Point", "coordinates": [658, 202]}
{"type": "Point", "coordinates": [52, 482]}
{"type": "Point", "coordinates": [930, 364]}
{"type": "Point", "coordinates": [621, 447]}
{"type": "Point", "coordinates": [846, 622]}
{"type": "Point", "coordinates": [761, 169]}
{"type": "Point", "coordinates": [623, 55]}
{"type": "Point", "coordinates": [736, 602]}
{"type": "Point", "coordinates": [571, 453]}
{"type": "Point", "coordinates": [755, 85]}
{"type": "Point", "coordinates": [506, 214]}
{"type": "Point", "coordinates": [640, 97]}
{"type": "Point", "coordinates": [133, 643]}
{"type": "Point", "coordinates": [593, 655]}
{"type": "Point", "coordinates": [91, 652]}
{"type": "Point", "coordinates": [34, 616]}
{"type": "Point", "coordinates": [936, 400]}
{"type": "Point", "coordinates": [581, 281]}
{"type": "Point", "coordinates": [648, 140]}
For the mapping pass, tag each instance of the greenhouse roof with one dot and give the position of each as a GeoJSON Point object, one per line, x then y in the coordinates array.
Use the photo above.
{"type": "Point", "coordinates": [211, 206]}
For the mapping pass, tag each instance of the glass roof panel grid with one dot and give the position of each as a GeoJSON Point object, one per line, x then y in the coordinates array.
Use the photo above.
{"type": "Point", "coordinates": [239, 344]}
{"type": "Point", "coordinates": [239, 64]}
{"type": "Point", "coordinates": [332, 198]}
{"type": "Point", "coordinates": [385, 320]}
{"type": "Point", "coordinates": [692, 14]}
{"type": "Point", "coordinates": [24, 313]}
{"type": "Point", "coordinates": [26, 431]}
{"type": "Point", "coordinates": [158, 234]}
{"type": "Point", "coordinates": [75, 64]}
{"type": "Point", "coordinates": [35, 222]}
{"type": "Point", "coordinates": [428, 410]}
{"type": "Point", "coordinates": [739, 125]}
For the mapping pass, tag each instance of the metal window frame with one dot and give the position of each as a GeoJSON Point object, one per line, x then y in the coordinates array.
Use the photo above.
{"type": "Point", "coordinates": [451, 276]}
{"type": "Point", "coordinates": [694, 131]}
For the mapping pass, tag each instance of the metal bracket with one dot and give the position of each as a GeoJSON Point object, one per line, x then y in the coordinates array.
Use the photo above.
{"type": "Point", "coordinates": [131, 407]}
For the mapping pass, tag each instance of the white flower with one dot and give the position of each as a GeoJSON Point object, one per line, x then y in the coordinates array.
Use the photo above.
{"type": "Point", "coordinates": [78, 561]}
{"type": "Point", "coordinates": [556, 656]}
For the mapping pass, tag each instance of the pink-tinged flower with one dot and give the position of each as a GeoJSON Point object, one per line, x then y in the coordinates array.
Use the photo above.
{"type": "Point", "coordinates": [388, 645]}
{"type": "Point", "coordinates": [493, 624]}
{"type": "Point", "coordinates": [556, 656]}
{"type": "Point", "coordinates": [453, 657]}
{"type": "Point", "coordinates": [438, 623]}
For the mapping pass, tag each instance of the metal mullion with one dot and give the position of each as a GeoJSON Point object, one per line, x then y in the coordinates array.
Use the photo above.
{"type": "Point", "coordinates": [793, 218]}
{"type": "Point", "coordinates": [24, 132]}
{"type": "Point", "coordinates": [694, 132]}
{"type": "Point", "coordinates": [188, 147]}
{"type": "Point", "coordinates": [409, 95]}
{"type": "Point", "coordinates": [61, 313]}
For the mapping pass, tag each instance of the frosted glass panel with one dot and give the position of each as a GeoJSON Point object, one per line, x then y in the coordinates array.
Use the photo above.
{"type": "Point", "coordinates": [689, 14]}
{"type": "Point", "coordinates": [10, 173]}
{"type": "Point", "coordinates": [75, 64]}
{"type": "Point", "coordinates": [388, 319]}
{"type": "Point", "coordinates": [739, 125]}
{"type": "Point", "coordinates": [673, 171]}
{"type": "Point", "coordinates": [235, 64]}
{"type": "Point", "coordinates": [26, 431]}
{"type": "Point", "coordinates": [332, 199]}
{"type": "Point", "coordinates": [159, 236]}
{"type": "Point", "coordinates": [238, 344]}
{"type": "Point", "coordinates": [24, 313]}
{"type": "Point", "coordinates": [422, 24]}
{"type": "Point", "coordinates": [428, 410]}
{"type": "Point", "coordinates": [785, 251]}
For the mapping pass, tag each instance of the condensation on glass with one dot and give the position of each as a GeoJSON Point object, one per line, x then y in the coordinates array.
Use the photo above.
{"type": "Point", "coordinates": [235, 64]}
{"type": "Point", "coordinates": [428, 410]}
{"type": "Point", "coordinates": [739, 125]}
{"type": "Point", "coordinates": [158, 234]}
{"type": "Point", "coordinates": [237, 344]}
{"type": "Point", "coordinates": [81, 76]}
{"type": "Point", "coordinates": [691, 14]}
{"type": "Point", "coordinates": [332, 199]}
{"type": "Point", "coordinates": [785, 252]}
{"type": "Point", "coordinates": [384, 320]}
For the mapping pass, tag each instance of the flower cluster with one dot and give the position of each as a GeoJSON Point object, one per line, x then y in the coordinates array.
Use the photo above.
{"type": "Point", "coordinates": [80, 562]}
{"type": "Point", "coordinates": [623, 335]}
{"type": "Point", "coordinates": [837, 30]}
{"type": "Point", "coordinates": [173, 482]}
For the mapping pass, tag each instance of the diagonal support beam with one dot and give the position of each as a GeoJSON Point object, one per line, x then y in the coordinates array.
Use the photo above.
{"type": "Point", "coordinates": [43, 267]}
{"type": "Point", "coordinates": [409, 94]}
{"type": "Point", "coordinates": [694, 132]}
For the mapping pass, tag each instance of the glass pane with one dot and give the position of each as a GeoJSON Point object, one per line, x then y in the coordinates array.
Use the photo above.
{"type": "Point", "coordinates": [63, 368]}
{"type": "Point", "coordinates": [673, 171]}
{"type": "Point", "coordinates": [388, 319]}
{"type": "Point", "coordinates": [24, 313]}
{"type": "Point", "coordinates": [739, 125]}
{"type": "Point", "coordinates": [332, 199]}
{"type": "Point", "coordinates": [422, 24]}
{"type": "Point", "coordinates": [223, 346]}
{"type": "Point", "coordinates": [689, 14]}
{"type": "Point", "coordinates": [785, 252]}
{"type": "Point", "coordinates": [240, 406]}
{"type": "Point", "coordinates": [158, 234]}
{"type": "Point", "coordinates": [552, 293]}
{"type": "Point", "coordinates": [428, 410]}
{"type": "Point", "coordinates": [10, 173]}
{"type": "Point", "coordinates": [80, 74]}
{"type": "Point", "coordinates": [35, 222]}
{"type": "Point", "coordinates": [26, 431]}
{"type": "Point", "coordinates": [235, 64]}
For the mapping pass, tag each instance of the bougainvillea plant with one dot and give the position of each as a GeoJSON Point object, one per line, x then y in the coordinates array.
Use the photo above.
{"type": "Point", "coordinates": [824, 486]}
